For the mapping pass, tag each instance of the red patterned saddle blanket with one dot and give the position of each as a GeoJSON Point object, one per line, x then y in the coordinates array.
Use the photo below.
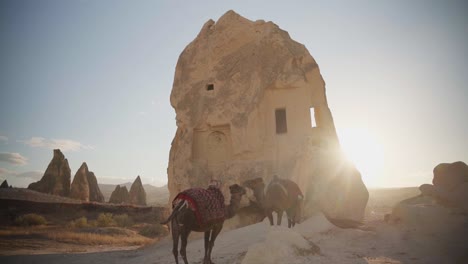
{"type": "Point", "coordinates": [208, 204]}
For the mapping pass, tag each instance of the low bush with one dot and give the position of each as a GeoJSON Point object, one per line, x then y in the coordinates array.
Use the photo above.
{"type": "Point", "coordinates": [79, 223]}
{"type": "Point", "coordinates": [30, 220]}
{"type": "Point", "coordinates": [105, 220]}
{"type": "Point", "coordinates": [123, 220]}
{"type": "Point", "coordinates": [153, 231]}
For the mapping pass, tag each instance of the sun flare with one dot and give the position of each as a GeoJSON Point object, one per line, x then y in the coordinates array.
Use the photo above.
{"type": "Point", "coordinates": [365, 151]}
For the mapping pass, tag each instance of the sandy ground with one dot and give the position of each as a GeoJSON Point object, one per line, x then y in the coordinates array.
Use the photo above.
{"type": "Point", "coordinates": [378, 243]}
{"type": "Point", "coordinates": [381, 243]}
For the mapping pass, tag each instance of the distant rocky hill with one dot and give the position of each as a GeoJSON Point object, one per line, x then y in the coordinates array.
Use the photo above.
{"type": "Point", "coordinates": [154, 195]}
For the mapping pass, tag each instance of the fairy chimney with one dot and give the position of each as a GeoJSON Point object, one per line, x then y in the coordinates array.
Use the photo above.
{"type": "Point", "coordinates": [250, 102]}
{"type": "Point", "coordinates": [119, 195]}
{"type": "Point", "coordinates": [80, 186]}
{"type": "Point", "coordinates": [56, 178]}
{"type": "Point", "coordinates": [137, 194]}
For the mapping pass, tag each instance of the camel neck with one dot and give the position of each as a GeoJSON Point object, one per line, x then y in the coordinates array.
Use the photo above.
{"type": "Point", "coordinates": [233, 205]}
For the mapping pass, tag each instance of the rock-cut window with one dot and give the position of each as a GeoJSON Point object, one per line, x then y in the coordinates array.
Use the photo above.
{"type": "Point", "coordinates": [210, 87]}
{"type": "Point", "coordinates": [281, 124]}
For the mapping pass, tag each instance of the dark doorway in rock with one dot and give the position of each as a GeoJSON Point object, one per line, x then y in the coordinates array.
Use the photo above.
{"type": "Point", "coordinates": [281, 124]}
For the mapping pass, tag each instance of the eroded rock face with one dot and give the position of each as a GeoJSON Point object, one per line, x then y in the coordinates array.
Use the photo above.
{"type": "Point", "coordinates": [4, 184]}
{"type": "Point", "coordinates": [119, 195]}
{"type": "Point", "coordinates": [448, 176]}
{"type": "Point", "coordinates": [137, 194]}
{"type": "Point", "coordinates": [450, 185]}
{"type": "Point", "coordinates": [250, 102]}
{"type": "Point", "coordinates": [80, 186]}
{"type": "Point", "coordinates": [56, 179]}
{"type": "Point", "coordinates": [95, 194]}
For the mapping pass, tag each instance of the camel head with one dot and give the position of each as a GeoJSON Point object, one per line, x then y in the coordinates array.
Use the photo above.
{"type": "Point", "coordinates": [236, 189]}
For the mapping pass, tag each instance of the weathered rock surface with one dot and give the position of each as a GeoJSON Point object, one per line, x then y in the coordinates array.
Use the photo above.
{"type": "Point", "coordinates": [85, 186]}
{"type": "Point", "coordinates": [243, 94]}
{"type": "Point", "coordinates": [56, 179]}
{"type": "Point", "coordinates": [119, 195]}
{"type": "Point", "coordinates": [80, 186]}
{"type": "Point", "coordinates": [449, 176]}
{"type": "Point", "coordinates": [95, 194]}
{"type": "Point", "coordinates": [4, 184]}
{"type": "Point", "coordinates": [137, 194]}
{"type": "Point", "coordinates": [450, 185]}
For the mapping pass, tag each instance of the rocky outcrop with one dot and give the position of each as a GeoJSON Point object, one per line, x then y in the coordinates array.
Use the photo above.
{"type": "Point", "coordinates": [450, 185]}
{"type": "Point", "coordinates": [4, 184]}
{"type": "Point", "coordinates": [137, 194]}
{"type": "Point", "coordinates": [80, 186]}
{"type": "Point", "coordinates": [119, 195]}
{"type": "Point", "coordinates": [56, 179]}
{"type": "Point", "coordinates": [243, 94]}
{"type": "Point", "coordinates": [85, 186]}
{"type": "Point", "coordinates": [448, 176]}
{"type": "Point", "coordinates": [95, 194]}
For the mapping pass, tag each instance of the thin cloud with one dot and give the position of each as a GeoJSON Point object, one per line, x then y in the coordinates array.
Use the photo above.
{"type": "Point", "coordinates": [3, 139]}
{"type": "Point", "coordinates": [62, 144]}
{"type": "Point", "coordinates": [13, 158]}
{"type": "Point", "coordinates": [33, 175]}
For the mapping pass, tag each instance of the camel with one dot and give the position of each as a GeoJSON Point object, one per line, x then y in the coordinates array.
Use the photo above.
{"type": "Point", "coordinates": [184, 220]}
{"type": "Point", "coordinates": [281, 195]}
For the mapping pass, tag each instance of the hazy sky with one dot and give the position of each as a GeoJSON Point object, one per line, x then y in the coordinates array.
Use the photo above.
{"type": "Point", "coordinates": [94, 78]}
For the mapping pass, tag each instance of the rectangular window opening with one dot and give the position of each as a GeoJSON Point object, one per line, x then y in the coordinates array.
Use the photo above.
{"type": "Point", "coordinates": [281, 124]}
{"type": "Point", "coordinates": [313, 123]}
{"type": "Point", "coordinates": [210, 87]}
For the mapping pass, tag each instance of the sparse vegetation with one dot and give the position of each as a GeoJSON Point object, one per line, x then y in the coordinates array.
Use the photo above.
{"type": "Point", "coordinates": [105, 220]}
{"type": "Point", "coordinates": [79, 223]}
{"type": "Point", "coordinates": [153, 231]}
{"type": "Point", "coordinates": [123, 220]}
{"type": "Point", "coordinates": [97, 239]}
{"type": "Point", "coordinates": [30, 220]}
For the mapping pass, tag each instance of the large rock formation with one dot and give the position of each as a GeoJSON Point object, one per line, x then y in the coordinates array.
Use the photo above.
{"type": "Point", "coordinates": [137, 194]}
{"type": "Point", "coordinates": [56, 179]}
{"type": "Point", "coordinates": [119, 195]}
{"type": "Point", "coordinates": [250, 102]}
{"type": "Point", "coordinates": [80, 185]}
{"type": "Point", "coordinates": [95, 194]}
{"type": "Point", "coordinates": [85, 186]}
{"type": "Point", "coordinates": [4, 184]}
{"type": "Point", "coordinates": [450, 185]}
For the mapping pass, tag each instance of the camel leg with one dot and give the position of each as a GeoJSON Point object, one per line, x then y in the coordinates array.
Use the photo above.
{"type": "Point", "coordinates": [269, 213]}
{"type": "Point", "coordinates": [280, 216]}
{"type": "Point", "coordinates": [289, 223]}
{"type": "Point", "coordinates": [207, 245]}
{"type": "Point", "coordinates": [175, 239]}
{"type": "Point", "coordinates": [214, 234]}
{"type": "Point", "coordinates": [183, 248]}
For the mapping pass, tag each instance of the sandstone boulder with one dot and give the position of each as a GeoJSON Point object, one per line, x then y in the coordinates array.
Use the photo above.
{"type": "Point", "coordinates": [95, 194]}
{"type": "Point", "coordinates": [137, 194]}
{"type": "Point", "coordinates": [80, 186]}
{"type": "Point", "coordinates": [250, 102]}
{"type": "Point", "coordinates": [56, 179]}
{"type": "Point", "coordinates": [4, 184]}
{"type": "Point", "coordinates": [448, 176]}
{"type": "Point", "coordinates": [119, 195]}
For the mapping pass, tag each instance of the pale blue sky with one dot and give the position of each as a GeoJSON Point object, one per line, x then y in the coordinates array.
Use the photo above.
{"type": "Point", "coordinates": [97, 75]}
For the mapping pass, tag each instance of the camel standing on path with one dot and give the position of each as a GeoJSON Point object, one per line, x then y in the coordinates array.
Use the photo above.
{"type": "Point", "coordinates": [185, 220]}
{"type": "Point", "coordinates": [283, 195]}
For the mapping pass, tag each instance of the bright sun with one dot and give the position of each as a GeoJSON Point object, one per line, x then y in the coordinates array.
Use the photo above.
{"type": "Point", "coordinates": [365, 151]}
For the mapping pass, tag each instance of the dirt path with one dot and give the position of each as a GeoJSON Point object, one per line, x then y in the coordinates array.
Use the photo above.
{"type": "Point", "coordinates": [380, 244]}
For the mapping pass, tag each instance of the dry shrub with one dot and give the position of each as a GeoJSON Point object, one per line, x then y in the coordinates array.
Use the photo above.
{"type": "Point", "coordinates": [153, 231]}
{"type": "Point", "coordinates": [79, 223]}
{"type": "Point", "coordinates": [30, 220]}
{"type": "Point", "coordinates": [123, 220]}
{"type": "Point", "coordinates": [97, 239]}
{"type": "Point", "coordinates": [105, 220]}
